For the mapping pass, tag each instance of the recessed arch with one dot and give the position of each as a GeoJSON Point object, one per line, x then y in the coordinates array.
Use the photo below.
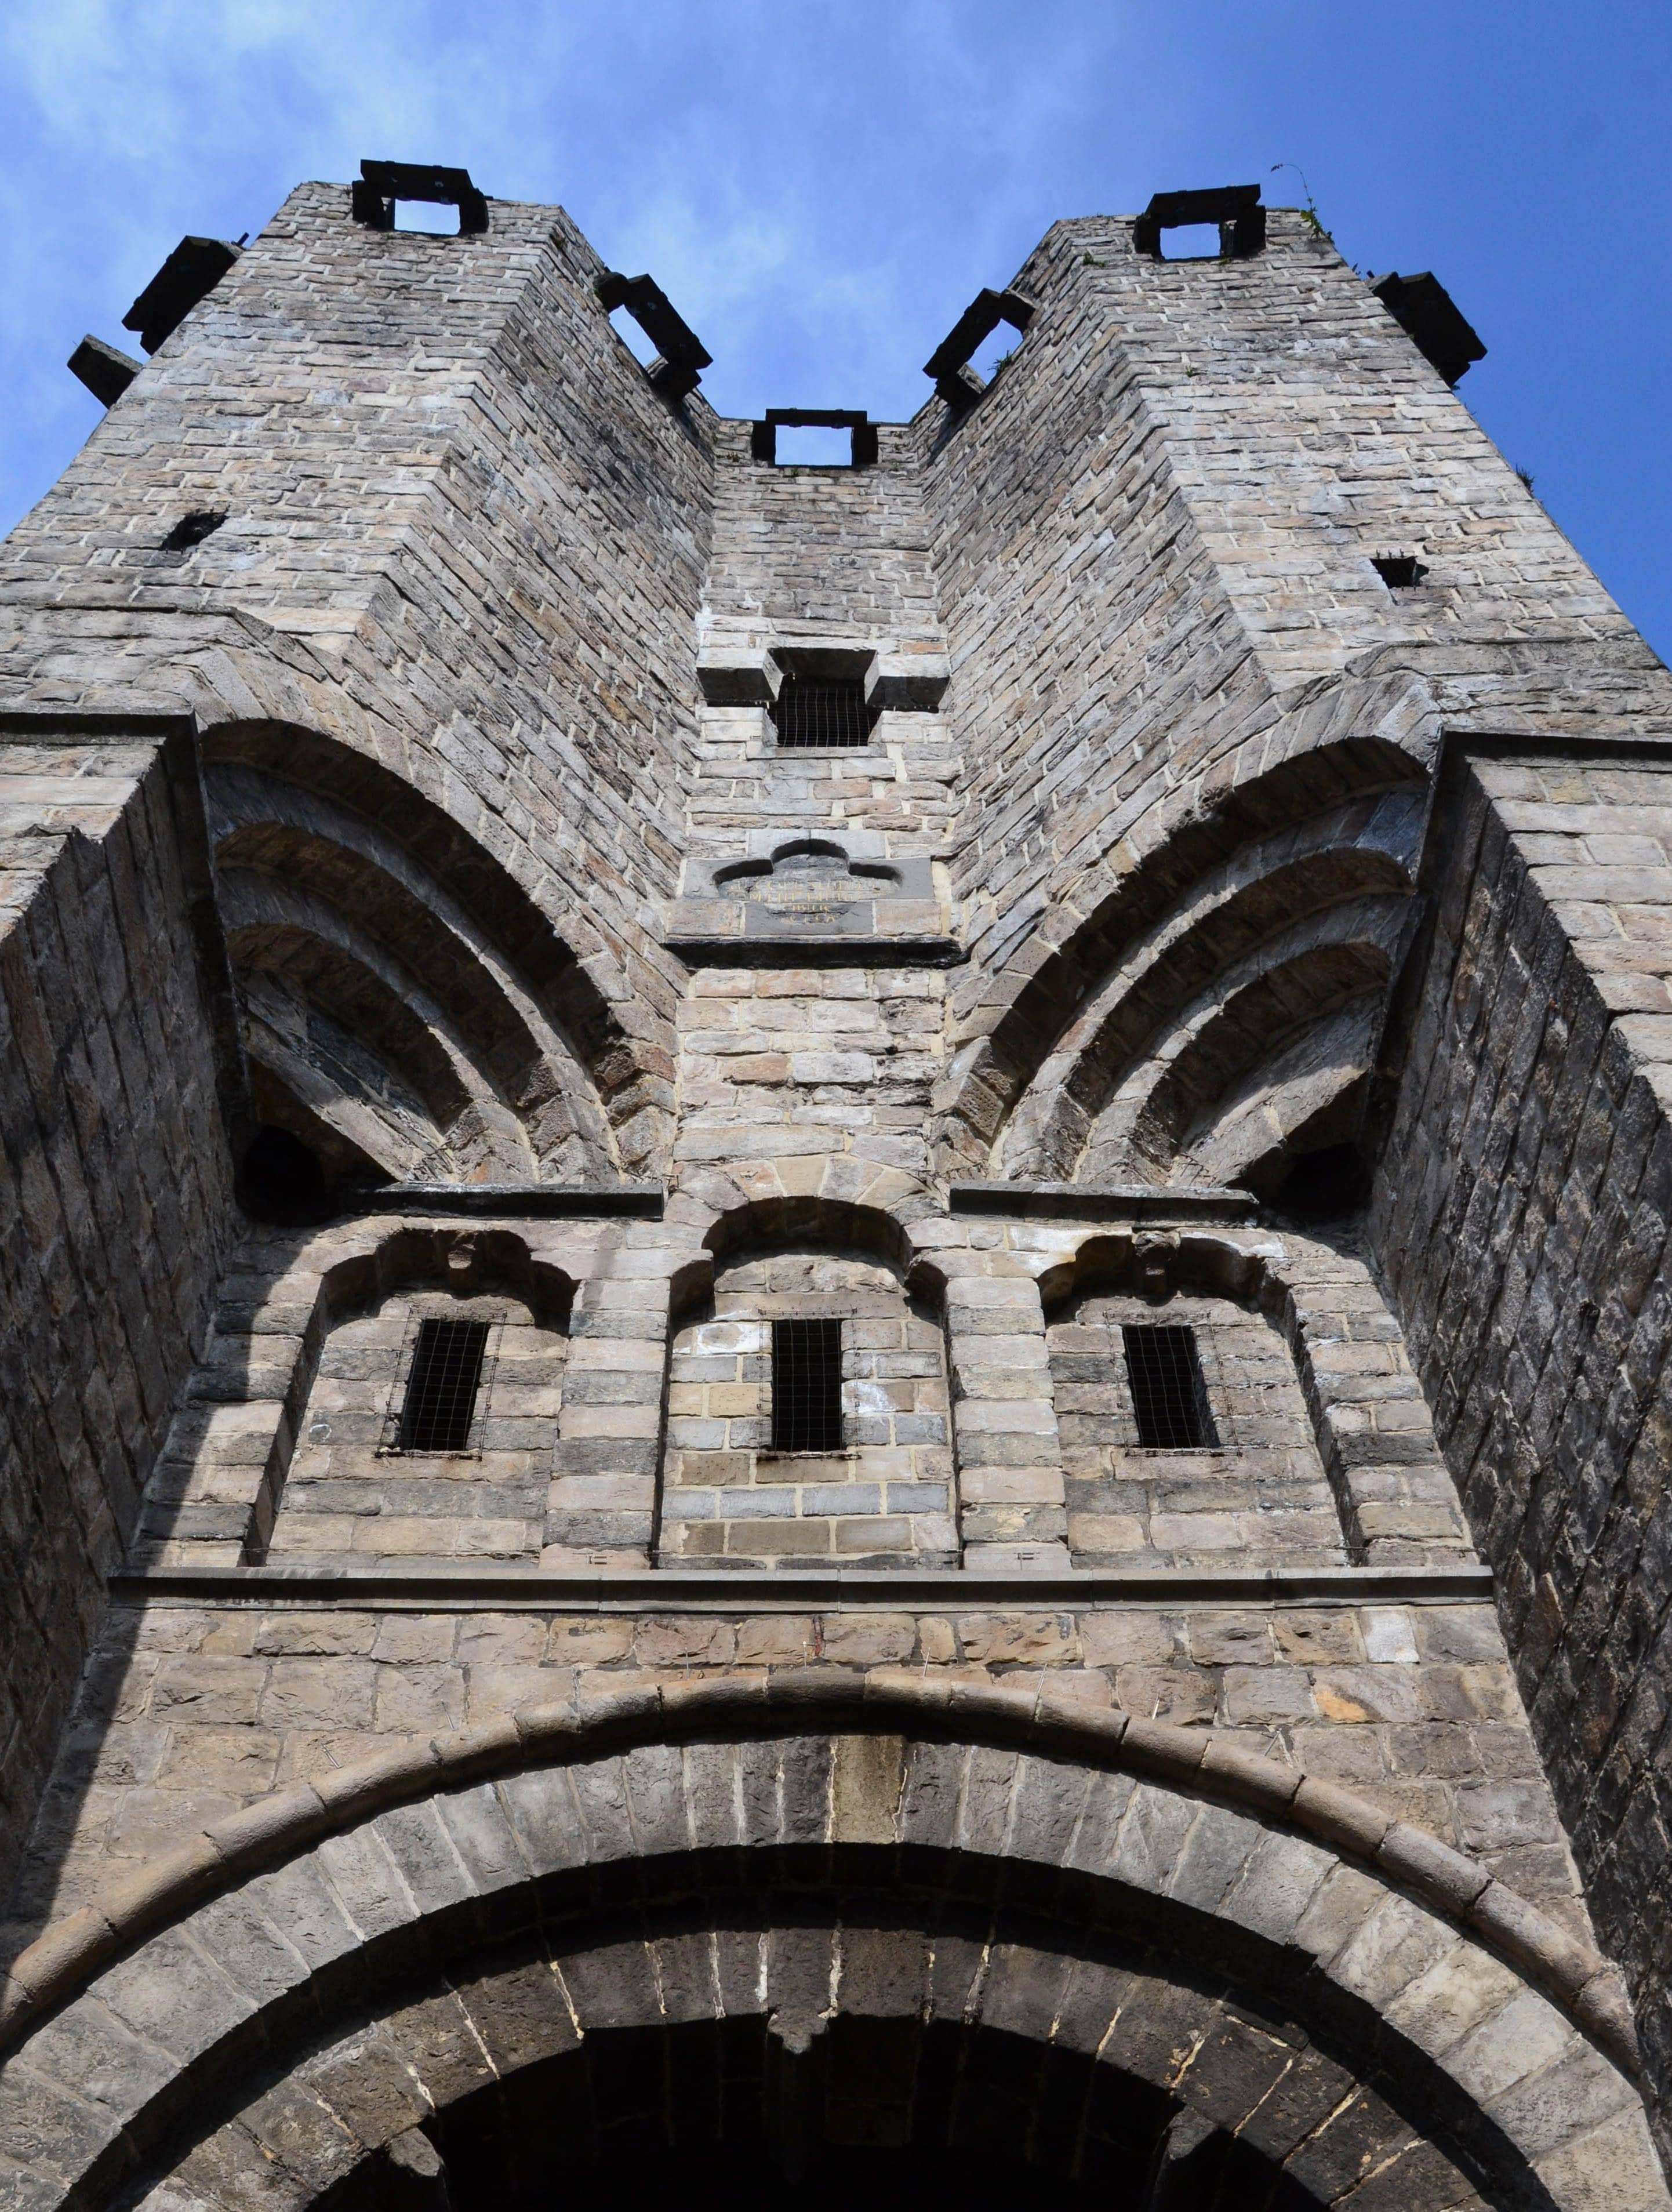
{"type": "Point", "coordinates": [285, 801]}
{"type": "Point", "coordinates": [405, 927]}
{"type": "Point", "coordinates": [1225, 1043]}
{"type": "Point", "coordinates": [1261, 891]}
{"type": "Point", "coordinates": [565, 1865]}
{"type": "Point", "coordinates": [1380, 791]}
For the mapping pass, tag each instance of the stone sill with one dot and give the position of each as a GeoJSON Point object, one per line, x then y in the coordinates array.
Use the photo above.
{"type": "Point", "coordinates": [1084, 1201]}
{"type": "Point", "coordinates": [560, 1201]}
{"type": "Point", "coordinates": [846, 952]}
{"type": "Point", "coordinates": [745, 1590]}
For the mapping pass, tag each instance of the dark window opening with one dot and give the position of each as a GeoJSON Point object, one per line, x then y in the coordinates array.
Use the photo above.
{"type": "Point", "coordinates": [815, 711]}
{"type": "Point", "coordinates": [440, 1390]}
{"type": "Point", "coordinates": [1398, 571]}
{"type": "Point", "coordinates": [806, 1386]}
{"type": "Point", "coordinates": [1192, 241]}
{"type": "Point", "coordinates": [1168, 1394]}
{"type": "Point", "coordinates": [192, 529]}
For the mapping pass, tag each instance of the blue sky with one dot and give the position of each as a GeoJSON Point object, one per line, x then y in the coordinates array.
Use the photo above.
{"type": "Point", "coordinates": [820, 185]}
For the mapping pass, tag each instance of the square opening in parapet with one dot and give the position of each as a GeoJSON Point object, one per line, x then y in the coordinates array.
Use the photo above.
{"type": "Point", "coordinates": [814, 446]}
{"type": "Point", "coordinates": [993, 351]}
{"type": "Point", "coordinates": [428, 218]}
{"type": "Point", "coordinates": [626, 329]}
{"type": "Point", "coordinates": [1191, 241]}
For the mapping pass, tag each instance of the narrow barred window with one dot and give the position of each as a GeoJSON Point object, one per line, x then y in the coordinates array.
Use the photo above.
{"type": "Point", "coordinates": [806, 1386]}
{"type": "Point", "coordinates": [1168, 1394]}
{"type": "Point", "coordinates": [822, 711]}
{"type": "Point", "coordinates": [440, 1390]}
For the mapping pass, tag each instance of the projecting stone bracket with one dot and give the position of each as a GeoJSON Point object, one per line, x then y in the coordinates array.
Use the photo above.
{"type": "Point", "coordinates": [954, 380]}
{"type": "Point", "coordinates": [1431, 318]}
{"type": "Point", "coordinates": [907, 678]}
{"type": "Point", "coordinates": [381, 183]}
{"type": "Point", "coordinates": [1235, 207]}
{"type": "Point", "coordinates": [106, 371]}
{"type": "Point", "coordinates": [682, 355]}
{"type": "Point", "coordinates": [188, 275]}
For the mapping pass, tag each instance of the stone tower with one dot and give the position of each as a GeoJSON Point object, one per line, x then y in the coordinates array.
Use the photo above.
{"type": "Point", "coordinates": [836, 1295]}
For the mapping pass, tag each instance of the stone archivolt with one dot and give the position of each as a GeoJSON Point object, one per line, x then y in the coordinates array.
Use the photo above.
{"type": "Point", "coordinates": [1202, 1922]}
{"type": "Point", "coordinates": [428, 815]}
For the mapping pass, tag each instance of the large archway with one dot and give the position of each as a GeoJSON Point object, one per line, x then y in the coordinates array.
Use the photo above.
{"type": "Point", "coordinates": [886, 1931]}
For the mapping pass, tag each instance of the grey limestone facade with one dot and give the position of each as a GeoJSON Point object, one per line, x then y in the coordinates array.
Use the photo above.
{"type": "Point", "coordinates": [1051, 1568]}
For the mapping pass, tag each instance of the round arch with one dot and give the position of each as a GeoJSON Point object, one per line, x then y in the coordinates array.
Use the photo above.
{"type": "Point", "coordinates": [1371, 790]}
{"type": "Point", "coordinates": [1241, 1954]}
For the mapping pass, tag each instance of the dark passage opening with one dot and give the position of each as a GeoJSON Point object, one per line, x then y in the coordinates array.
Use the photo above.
{"type": "Point", "coordinates": [1168, 1394]}
{"type": "Point", "coordinates": [1398, 571]}
{"type": "Point", "coordinates": [441, 1391]}
{"type": "Point", "coordinates": [823, 710]}
{"type": "Point", "coordinates": [806, 1386]}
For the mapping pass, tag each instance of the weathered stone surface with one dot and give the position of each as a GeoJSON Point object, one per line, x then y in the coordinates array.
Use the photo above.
{"type": "Point", "coordinates": [474, 854]}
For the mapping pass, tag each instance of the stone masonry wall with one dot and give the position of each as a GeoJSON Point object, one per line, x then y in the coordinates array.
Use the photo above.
{"type": "Point", "coordinates": [1523, 1218]}
{"type": "Point", "coordinates": [1260, 1490]}
{"type": "Point", "coordinates": [196, 1708]}
{"type": "Point", "coordinates": [354, 1488]}
{"type": "Point", "coordinates": [882, 1498]}
{"type": "Point", "coordinates": [116, 1212]}
{"type": "Point", "coordinates": [1153, 539]}
{"type": "Point", "coordinates": [462, 533]}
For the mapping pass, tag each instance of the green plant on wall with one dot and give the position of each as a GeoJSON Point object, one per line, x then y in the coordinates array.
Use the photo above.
{"type": "Point", "coordinates": [1309, 213]}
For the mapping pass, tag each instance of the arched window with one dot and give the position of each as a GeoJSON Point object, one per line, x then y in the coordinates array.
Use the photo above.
{"type": "Point", "coordinates": [808, 1419]}
{"type": "Point", "coordinates": [1186, 1436]}
{"type": "Point", "coordinates": [428, 1431]}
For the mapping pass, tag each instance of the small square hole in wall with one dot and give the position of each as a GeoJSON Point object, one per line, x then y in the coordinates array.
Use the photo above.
{"type": "Point", "coordinates": [1398, 571]}
{"type": "Point", "coordinates": [626, 329]}
{"type": "Point", "coordinates": [814, 446]}
{"type": "Point", "coordinates": [993, 351]}
{"type": "Point", "coordinates": [1191, 241]}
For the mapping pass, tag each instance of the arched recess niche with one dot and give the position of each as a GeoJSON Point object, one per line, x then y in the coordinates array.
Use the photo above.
{"type": "Point", "coordinates": [337, 1483]}
{"type": "Point", "coordinates": [1221, 1972]}
{"type": "Point", "coordinates": [886, 1496]}
{"type": "Point", "coordinates": [1270, 1490]}
{"type": "Point", "coordinates": [409, 1011]}
{"type": "Point", "coordinates": [1336, 825]}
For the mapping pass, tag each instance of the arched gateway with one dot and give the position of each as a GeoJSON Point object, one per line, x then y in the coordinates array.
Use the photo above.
{"type": "Point", "coordinates": [1030, 1072]}
{"type": "Point", "coordinates": [826, 1932]}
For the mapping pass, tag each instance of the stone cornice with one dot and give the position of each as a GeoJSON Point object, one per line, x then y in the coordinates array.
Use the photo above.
{"type": "Point", "coordinates": [673, 1589]}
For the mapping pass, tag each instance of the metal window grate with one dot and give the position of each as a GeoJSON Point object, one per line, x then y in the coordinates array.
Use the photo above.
{"type": "Point", "coordinates": [806, 1386]}
{"type": "Point", "coordinates": [1168, 1394]}
{"type": "Point", "coordinates": [822, 711]}
{"type": "Point", "coordinates": [440, 1389]}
